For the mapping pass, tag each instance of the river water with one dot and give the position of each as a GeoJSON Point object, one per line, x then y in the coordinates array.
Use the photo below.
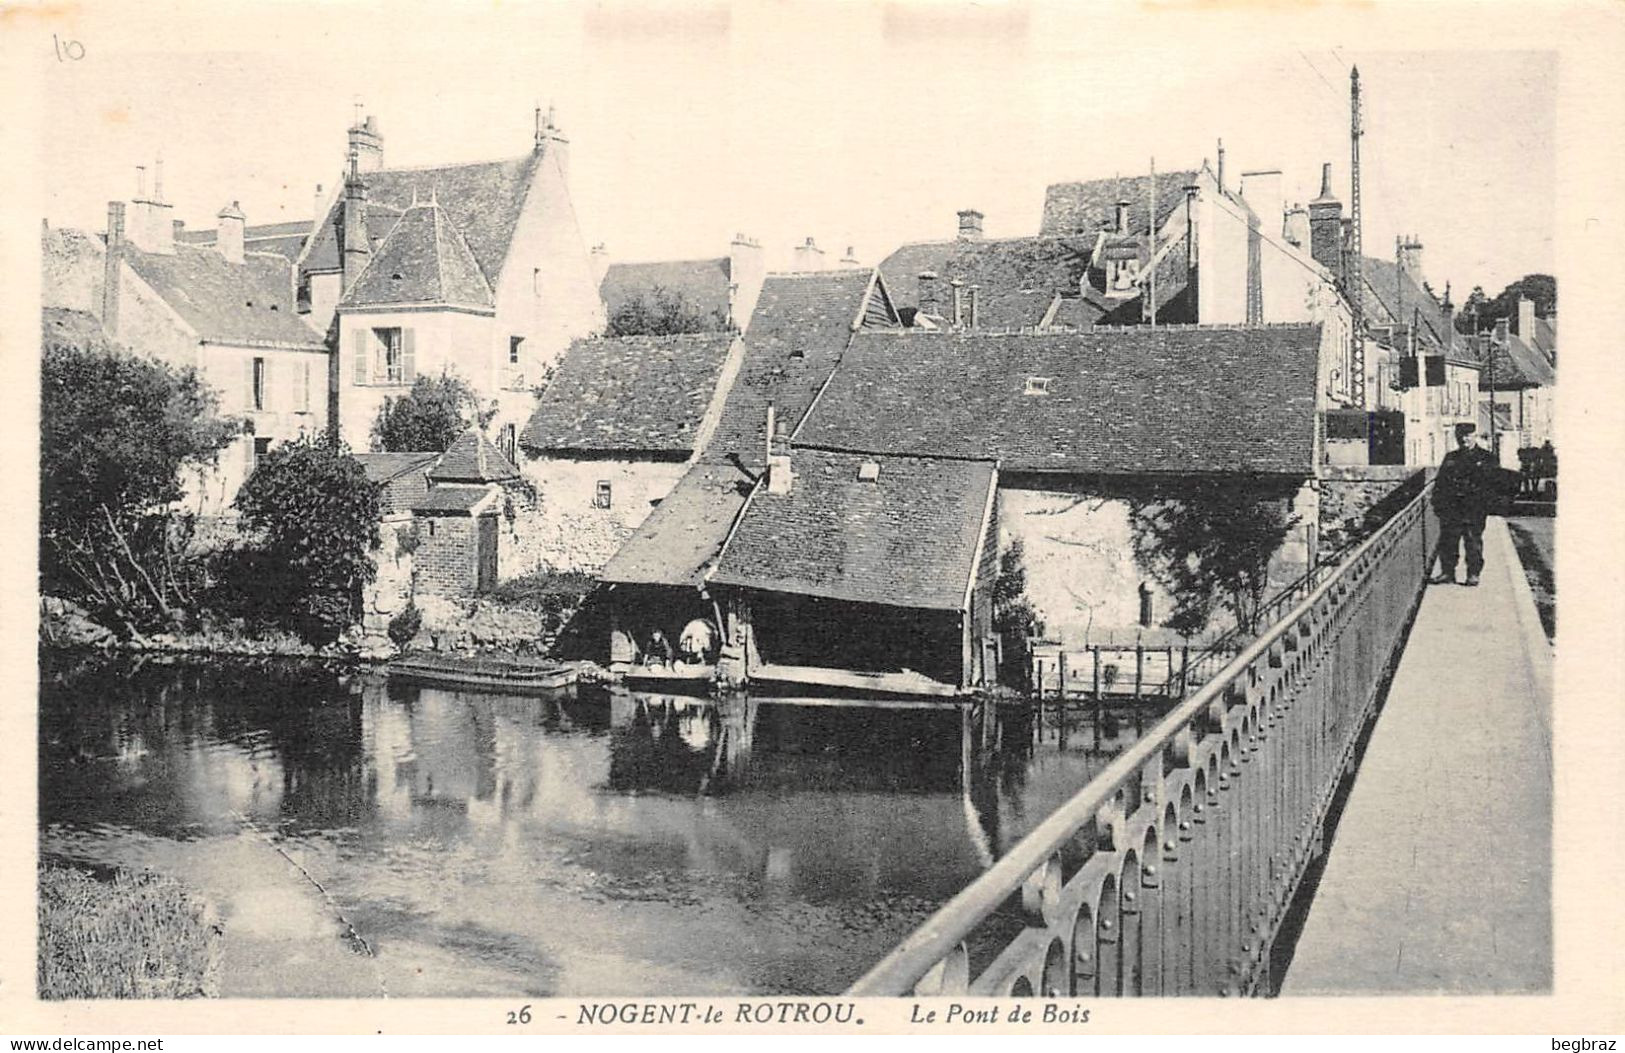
{"type": "Point", "coordinates": [360, 837]}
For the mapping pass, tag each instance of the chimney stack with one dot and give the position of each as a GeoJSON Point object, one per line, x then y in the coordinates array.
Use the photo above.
{"type": "Point", "coordinates": [354, 247]}
{"type": "Point", "coordinates": [229, 239]}
{"type": "Point", "coordinates": [809, 257]}
{"type": "Point", "coordinates": [367, 145]}
{"type": "Point", "coordinates": [1297, 226]}
{"type": "Point", "coordinates": [970, 224]}
{"type": "Point", "coordinates": [975, 319]}
{"type": "Point", "coordinates": [151, 225]}
{"type": "Point", "coordinates": [1326, 226]}
{"type": "Point", "coordinates": [1121, 219]}
{"type": "Point", "coordinates": [317, 206]}
{"type": "Point", "coordinates": [851, 257]}
{"type": "Point", "coordinates": [1410, 251]}
{"type": "Point", "coordinates": [1221, 167]}
{"type": "Point", "coordinates": [930, 294]}
{"type": "Point", "coordinates": [551, 139]}
{"type": "Point", "coordinates": [111, 267]}
{"type": "Point", "coordinates": [747, 268]}
{"type": "Point", "coordinates": [780, 477]}
{"type": "Point", "coordinates": [1266, 196]}
{"type": "Point", "coordinates": [1526, 319]}
{"type": "Point", "coordinates": [958, 301]}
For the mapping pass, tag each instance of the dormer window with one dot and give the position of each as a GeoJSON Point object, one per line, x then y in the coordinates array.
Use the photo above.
{"type": "Point", "coordinates": [1037, 386]}
{"type": "Point", "coordinates": [1120, 276]}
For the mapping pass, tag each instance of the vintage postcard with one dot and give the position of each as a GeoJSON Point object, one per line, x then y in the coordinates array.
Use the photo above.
{"type": "Point", "coordinates": [878, 517]}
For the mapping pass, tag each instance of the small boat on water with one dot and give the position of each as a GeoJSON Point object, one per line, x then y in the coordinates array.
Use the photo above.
{"type": "Point", "coordinates": [676, 676]}
{"type": "Point", "coordinates": [507, 674]}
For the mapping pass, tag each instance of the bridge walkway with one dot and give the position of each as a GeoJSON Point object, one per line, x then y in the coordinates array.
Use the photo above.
{"type": "Point", "coordinates": [1439, 875]}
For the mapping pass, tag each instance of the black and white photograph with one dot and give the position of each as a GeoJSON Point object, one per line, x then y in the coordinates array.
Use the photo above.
{"type": "Point", "coordinates": [822, 518]}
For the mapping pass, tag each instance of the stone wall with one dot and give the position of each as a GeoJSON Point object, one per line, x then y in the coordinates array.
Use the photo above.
{"type": "Point", "coordinates": [567, 529]}
{"type": "Point", "coordinates": [1355, 498]}
{"type": "Point", "coordinates": [391, 590]}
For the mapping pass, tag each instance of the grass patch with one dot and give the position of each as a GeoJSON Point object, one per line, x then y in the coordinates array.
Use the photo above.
{"type": "Point", "coordinates": [1537, 569]}
{"type": "Point", "coordinates": [134, 936]}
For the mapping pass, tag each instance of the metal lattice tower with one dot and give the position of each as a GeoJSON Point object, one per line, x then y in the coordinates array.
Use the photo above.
{"type": "Point", "coordinates": [1356, 260]}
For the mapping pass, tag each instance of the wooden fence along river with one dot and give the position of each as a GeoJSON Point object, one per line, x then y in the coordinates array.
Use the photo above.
{"type": "Point", "coordinates": [1171, 872]}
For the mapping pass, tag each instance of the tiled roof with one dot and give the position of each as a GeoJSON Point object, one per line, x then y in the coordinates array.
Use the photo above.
{"type": "Point", "coordinates": [678, 541]}
{"type": "Point", "coordinates": [1001, 268]}
{"type": "Point", "coordinates": [632, 393]}
{"type": "Point", "coordinates": [284, 239]}
{"type": "Point", "coordinates": [1117, 401]}
{"type": "Point", "coordinates": [249, 303]}
{"type": "Point", "coordinates": [702, 283]}
{"type": "Point", "coordinates": [907, 538]}
{"type": "Point", "coordinates": [452, 499]}
{"type": "Point", "coordinates": [1516, 365]}
{"type": "Point", "coordinates": [473, 459]}
{"type": "Point", "coordinates": [1081, 312]}
{"type": "Point", "coordinates": [1393, 297]}
{"type": "Point", "coordinates": [423, 260]}
{"type": "Point", "coordinates": [1071, 208]}
{"type": "Point", "coordinates": [382, 467]}
{"type": "Point", "coordinates": [482, 200]}
{"type": "Point", "coordinates": [801, 325]}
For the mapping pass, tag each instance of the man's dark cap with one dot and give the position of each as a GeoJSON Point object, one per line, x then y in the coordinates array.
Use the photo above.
{"type": "Point", "coordinates": [1466, 429]}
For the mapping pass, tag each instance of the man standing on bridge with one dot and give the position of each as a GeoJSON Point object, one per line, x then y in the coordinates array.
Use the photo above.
{"type": "Point", "coordinates": [1462, 494]}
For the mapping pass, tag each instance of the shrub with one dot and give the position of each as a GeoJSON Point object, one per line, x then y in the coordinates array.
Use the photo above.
{"type": "Point", "coordinates": [405, 625]}
{"type": "Point", "coordinates": [136, 936]}
{"type": "Point", "coordinates": [556, 595]}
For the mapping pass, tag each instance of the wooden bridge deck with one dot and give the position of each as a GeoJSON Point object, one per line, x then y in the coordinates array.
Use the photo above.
{"type": "Point", "coordinates": [1439, 876]}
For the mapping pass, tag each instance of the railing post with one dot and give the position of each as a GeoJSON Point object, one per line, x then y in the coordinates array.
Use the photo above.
{"type": "Point", "coordinates": [1098, 702]}
{"type": "Point", "coordinates": [1060, 705]}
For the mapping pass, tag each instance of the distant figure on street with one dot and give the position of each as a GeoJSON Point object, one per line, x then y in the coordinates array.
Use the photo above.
{"type": "Point", "coordinates": [659, 650]}
{"type": "Point", "coordinates": [698, 642]}
{"type": "Point", "coordinates": [1462, 495]}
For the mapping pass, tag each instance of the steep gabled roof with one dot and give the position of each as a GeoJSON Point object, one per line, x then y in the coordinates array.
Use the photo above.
{"type": "Point", "coordinates": [630, 393]}
{"type": "Point", "coordinates": [1008, 272]}
{"type": "Point", "coordinates": [801, 325]}
{"type": "Point", "coordinates": [1395, 297]}
{"type": "Point", "coordinates": [1072, 208]}
{"type": "Point", "coordinates": [906, 537]}
{"type": "Point", "coordinates": [382, 467]}
{"type": "Point", "coordinates": [248, 304]}
{"type": "Point", "coordinates": [473, 459]}
{"type": "Point", "coordinates": [1117, 401]}
{"type": "Point", "coordinates": [424, 259]}
{"type": "Point", "coordinates": [482, 200]}
{"type": "Point", "coordinates": [1515, 364]}
{"type": "Point", "coordinates": [681, 538]}
{"type": "Point", "coordinates": [702, 283]}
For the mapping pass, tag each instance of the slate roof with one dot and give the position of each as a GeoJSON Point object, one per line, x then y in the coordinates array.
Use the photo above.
{"type": "Point", "coordinates": [1002, 268]}
{"type": "Point", "coordinates": [382, 467]}
{"type": "Point", "coordinates": [247, 304]}
{"type": "Point", "coordinates": [908, 538]}
{"type": "Point", "coordinates": [631, 393]}
{"type": "Point", "coordinates": [452, 500]}
{"type": "Point", "coordinates": [482, 200]}
{"type": "Point", "coordinates": [1081, 312]}
{"type": "Point", "coordinates": [423, 260]}
{"type": "Point", "coordinates": [677, 542]}
{"type": "Point", "coordinates": [1515, 365]}
{"type": "Point", "coordinates": [703, 283]}
{"type": "Point", "coordinates": [473, 459]}
{"type": "Point", "coordinates": [1071, 208]}
{"type": "Point", "coordinates": [1118, 401]}
{"type": "Point", "coordinates": [284, 239]}
{"type": "Point", "coordinates": [801, 325]}
{"type": "Point", "coordinates": [1396, 298]}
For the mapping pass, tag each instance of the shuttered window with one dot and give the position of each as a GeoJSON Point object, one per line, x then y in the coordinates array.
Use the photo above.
{"type": "Point", "coordinates": [258, 371]}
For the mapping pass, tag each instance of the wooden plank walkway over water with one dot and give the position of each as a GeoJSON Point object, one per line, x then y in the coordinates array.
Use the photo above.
{"type": "Point", "coordinates": [1439, 876]}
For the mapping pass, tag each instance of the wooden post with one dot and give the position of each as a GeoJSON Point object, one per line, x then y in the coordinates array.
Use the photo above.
{"type": "Point", "coordinates": [1185, 670]}
{"type": "Point", "coordinates": [1139, 670]}
{"type": "Point", "coordinates": [1038, 722]}
{"type": "Point", "coordinates": [1095, 650]}
{"type": "Point", "coordinates": [1060, 707]}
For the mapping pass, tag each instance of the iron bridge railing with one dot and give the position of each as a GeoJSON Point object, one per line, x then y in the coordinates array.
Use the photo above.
{"type": "Point", "coordinates": [1171, 872]}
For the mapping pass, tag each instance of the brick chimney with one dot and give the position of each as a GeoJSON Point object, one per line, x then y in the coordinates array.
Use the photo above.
{"type": "Point", "coordinates": [851, 257]}
{"type": "Point", "coordinates": [550, 138]}
{"type": "Point", "coordinates": [354, 247]}
{"type": "Point", "coordinates": [1296, 228]}
{"type": "Point", "coordinates": [1120, 221]}
{"type": "Point", "coordinates": [747, 268]}
{"type": "Point", "coordinates": [229, 238]}
{"type": "Point", "coordinates": [930, 297]}
{"type": "Point", "coordinates": [1410, 255]}
{"type": "Point", "coordinates": [151, 225]}
{"type": "Point", "coordinates": [956, 301]}
{"type": "Point", "coordinates": [1526, 319]}
{"type": "Point", "coordinates": [809, 257]}
{"type": "Point", "coordinates": [970, 224]}
{"type": "Point", "coordinates": [780, 476]}
{"type": "Point", "coordinates": [1326, 225]}
{"type": "Point", "coordinates": [111, 266]}
{"type": "Point", "coordinates": [367, 145]}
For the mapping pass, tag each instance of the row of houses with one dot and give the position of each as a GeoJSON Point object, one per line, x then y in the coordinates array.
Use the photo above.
{"type": "Point", "coordinates": [831, 477]}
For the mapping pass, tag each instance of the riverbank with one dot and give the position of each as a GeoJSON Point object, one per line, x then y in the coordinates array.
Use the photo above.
{"type": "Point", "coordinates": [136, 935]}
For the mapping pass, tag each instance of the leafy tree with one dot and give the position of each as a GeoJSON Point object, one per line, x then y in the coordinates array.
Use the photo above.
{"type": "Point", "coordinates": [1209, 543]}
{"type": "Point", "coordinates": [430, 417]}
{"type": "Point", "coordinates": [116, 433]}
{"type": "Point", "coordinates": [1541, 288]}
{"type": "Point", "coordinates": [1014, 617]}
{"type": "Point", "coordinates": [664, 312]}
{"type": "Point", "coordinates": [312, 517]}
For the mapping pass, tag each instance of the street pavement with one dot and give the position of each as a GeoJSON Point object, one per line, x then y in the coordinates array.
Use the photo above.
{"type": "Point", "coordinates": [1439, 875]}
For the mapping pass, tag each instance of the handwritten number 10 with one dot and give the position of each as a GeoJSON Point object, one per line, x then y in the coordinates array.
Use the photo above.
{"type": "Point", "coordinates": [67, 50]}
